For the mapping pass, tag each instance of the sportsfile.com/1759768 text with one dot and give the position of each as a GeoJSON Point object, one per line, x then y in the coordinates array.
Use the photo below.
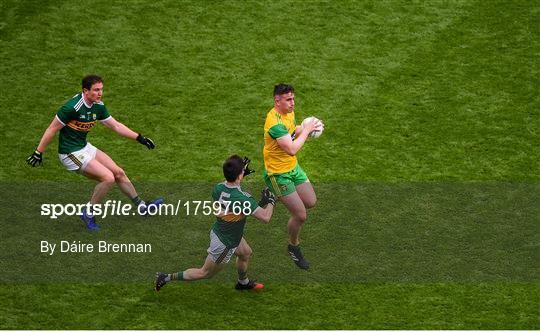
{"type": "Point", "coordinates": [119, 208]}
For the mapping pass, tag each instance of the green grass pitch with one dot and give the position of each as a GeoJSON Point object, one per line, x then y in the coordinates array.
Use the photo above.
{"type": "Point", "coordinates": [427, 173]}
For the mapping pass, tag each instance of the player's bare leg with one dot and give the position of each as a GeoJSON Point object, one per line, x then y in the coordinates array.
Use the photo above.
{"type": "Point", "coordinates": [297, 209]}
{"type": "Point", "coordinates": [307, 194]}
{"type": "Point", "coordinates": [97, 171]}
{"type": "Point", "coordinates": [243, 256]}
{"type": "Point", "coordinates": [208, 270]}
{"type": "Point", "coordinates": [120, 176]}
{"type": "Point", "coordinates": [124, 183]}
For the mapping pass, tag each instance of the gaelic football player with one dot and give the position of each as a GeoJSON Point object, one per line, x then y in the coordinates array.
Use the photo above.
{"type": "Point", "coordinates": [74, 120]}
{"type": "Point", "coordinates": [283, 175]}
{"type": "Point", "coordinates": [227, 234]}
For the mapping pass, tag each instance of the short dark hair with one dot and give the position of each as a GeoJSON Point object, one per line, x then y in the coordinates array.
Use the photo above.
{"type": "Point", "coordinates": [90, 80]}
{"type": "Point", "coordinates": [233, 167]}
{"type": "Point", "coordinates": [282, 88]}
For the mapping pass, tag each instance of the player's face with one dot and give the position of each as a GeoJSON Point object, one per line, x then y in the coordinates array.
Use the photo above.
{"type": "Point", "coordinates": [95, 93]}
{"type": "Point", "coordinates": [285, 102]}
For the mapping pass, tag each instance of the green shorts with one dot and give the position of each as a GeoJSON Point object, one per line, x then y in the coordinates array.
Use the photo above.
{"type": "Point", "coordinates": [285, 183]}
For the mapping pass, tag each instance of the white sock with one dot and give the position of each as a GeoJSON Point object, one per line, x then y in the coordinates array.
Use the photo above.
{"type": "Point", "coordinates": [243, 281]}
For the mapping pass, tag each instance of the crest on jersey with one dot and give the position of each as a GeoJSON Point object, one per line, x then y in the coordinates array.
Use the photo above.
{"type": "Point", "coordinates": [94, 116]}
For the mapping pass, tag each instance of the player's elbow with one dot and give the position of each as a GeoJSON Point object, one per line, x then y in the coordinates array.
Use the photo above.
{"type": "Point", "coordinates": [268, 213]}
{"type": "Point", "coordinates": [53, 128]}
{"type": "Point", "coordinates": [290, 151]}
{"type": "Point", "coordinates": [115, 127]}
{"type": "Point", "coordinates": [112, 124]}
{"type": "Point", "coordinates": [264, 217]}
{"type": "Point", "coordinates": [50, 132]}
{"type": "Point", "coordinates": [287, 145]}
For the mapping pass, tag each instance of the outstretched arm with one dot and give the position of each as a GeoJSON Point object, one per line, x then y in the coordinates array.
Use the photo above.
{"type": "Point", "coordinates": [265, 209]}
{"type": "Point", "coordinates": [49, 134]}
{"type": "Point", "coordinates": [119, 128]}
{"type": "Point", "coordinates": [122, 130]}
{"type": "Point", "coordinates": [36, 158]}
{"type": "Point", "coordinates": [264, 214]}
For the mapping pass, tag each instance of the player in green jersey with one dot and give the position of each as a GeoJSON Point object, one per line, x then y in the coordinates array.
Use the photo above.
{"type": "Point", "coordinates": [226, 236]}
{"type": "Point", "coordinates": [74, 120]}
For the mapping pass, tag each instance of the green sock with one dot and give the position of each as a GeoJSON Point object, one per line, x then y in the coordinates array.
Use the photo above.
{"type": "Point", "coordinates": [177, 276]}
{"type": "Point", "coordinates": [242, 275]}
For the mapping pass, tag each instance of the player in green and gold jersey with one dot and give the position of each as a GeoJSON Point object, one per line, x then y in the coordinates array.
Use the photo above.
{"type": "Point", "coordinates": [227, 234]}
{"type": "Point", "coordinates": [283, 175]}
{"type": "Point", "coordinates": [74, 120]}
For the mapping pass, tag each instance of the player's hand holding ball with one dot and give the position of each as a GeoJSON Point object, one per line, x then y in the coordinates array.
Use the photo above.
{"type": "Point", "coordinates": [318, 126]}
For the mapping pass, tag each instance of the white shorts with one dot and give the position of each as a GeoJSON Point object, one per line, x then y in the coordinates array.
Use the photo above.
{"type": "Point", "coordinates": [78, 160]}
{"type": "Point", "coordinates": [217, 251]}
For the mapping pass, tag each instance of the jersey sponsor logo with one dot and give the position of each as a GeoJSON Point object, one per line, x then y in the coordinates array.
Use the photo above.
{"type": "Point", "coordinates": [82, 116]}
{"type": "Point", "coordinates": [232, 217]}
{"type": "Point", "coordinates": [81, 126]}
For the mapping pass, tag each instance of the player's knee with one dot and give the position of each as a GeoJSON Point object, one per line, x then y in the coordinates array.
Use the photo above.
{"type": "Point", "coordinates": [206, 274]}
{"type": "Point", "coordinates": [246, 255]}
{"type": "Point", "coordinates": [301, 216]}
{"type": "Point", "coordinates": [107, 178]}
{"type": "Point", "coordinates": [310, 202]}
{"type": "Point", "coordinates": [119, 174]}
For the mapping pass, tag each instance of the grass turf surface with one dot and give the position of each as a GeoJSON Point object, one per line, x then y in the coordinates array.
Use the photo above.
{"type": "Point", "coordinates": [280, 306]}
{"type": "Point", "coordinates": [411, 92]}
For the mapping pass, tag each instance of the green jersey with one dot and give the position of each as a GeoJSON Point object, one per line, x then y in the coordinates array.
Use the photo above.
{"type": "Point", "coordinates": [236, 205]}
{"type": "Point", "coordinates": [78, 118]}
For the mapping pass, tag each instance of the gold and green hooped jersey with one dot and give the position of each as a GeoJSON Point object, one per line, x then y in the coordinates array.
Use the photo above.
{"type": "Point", "coordinates": [78, 119]}
{"type": "Point", "coordinates": [229, 227]}
{"type": "Point", "coordinates": [277, 125]}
